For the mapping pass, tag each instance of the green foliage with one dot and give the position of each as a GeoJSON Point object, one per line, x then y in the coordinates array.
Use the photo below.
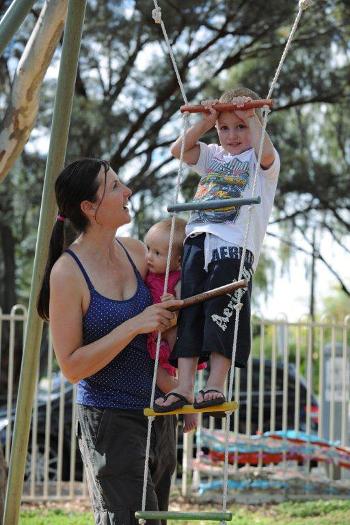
{"type": "Point", "coordinates": [337, 306]}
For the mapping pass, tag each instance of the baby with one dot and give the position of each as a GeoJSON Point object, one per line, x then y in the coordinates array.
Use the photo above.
{"type": "Point", "coordinates": [157, 242]}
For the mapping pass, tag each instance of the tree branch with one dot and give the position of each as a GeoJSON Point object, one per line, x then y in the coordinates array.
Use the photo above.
{"type": "Point", "coordinates": [23, 107]}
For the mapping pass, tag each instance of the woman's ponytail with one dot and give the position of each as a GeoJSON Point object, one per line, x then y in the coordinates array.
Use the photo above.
{"type": "Point", "coordinates": [56, 248]}
{"type": "Point", "coordinates": [77, 182]}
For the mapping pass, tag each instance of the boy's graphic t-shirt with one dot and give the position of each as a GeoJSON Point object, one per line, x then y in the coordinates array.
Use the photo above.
{"type": "Point", "coordinates": [226, 176]}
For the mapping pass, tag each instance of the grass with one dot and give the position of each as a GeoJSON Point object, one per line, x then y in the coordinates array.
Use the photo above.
{"type": "Point", "coordinates": [331, 512]}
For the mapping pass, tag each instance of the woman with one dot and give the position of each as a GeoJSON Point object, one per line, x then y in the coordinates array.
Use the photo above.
{"type": "Point", "coordinates": [100, 311]}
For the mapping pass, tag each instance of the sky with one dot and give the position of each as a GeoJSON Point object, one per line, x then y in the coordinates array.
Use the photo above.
{"type": "Point", "coordinates": [291, 294]}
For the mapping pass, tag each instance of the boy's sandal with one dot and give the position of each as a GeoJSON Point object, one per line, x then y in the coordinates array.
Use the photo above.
{"type": "Point", "coordinates": [181, 401]}
{"type": "Point", "coordinates": [209, 402]}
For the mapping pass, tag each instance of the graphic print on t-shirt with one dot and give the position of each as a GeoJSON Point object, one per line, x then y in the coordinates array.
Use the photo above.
{"type": "Point", "coordinates": [224, 180]}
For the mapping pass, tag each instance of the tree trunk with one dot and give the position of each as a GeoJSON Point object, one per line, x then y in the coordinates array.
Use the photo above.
{"type": "Point", "coordinates": [23, 106]}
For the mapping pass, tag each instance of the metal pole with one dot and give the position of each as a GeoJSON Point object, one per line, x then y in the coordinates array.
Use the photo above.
{"type": "Point", "coordinates": [55, 162]}
{"type": "Point", "coordinates": [12, 19]}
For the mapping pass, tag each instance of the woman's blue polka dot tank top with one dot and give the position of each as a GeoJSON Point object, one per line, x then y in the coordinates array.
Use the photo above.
{"type": "Point", "coordinates": [126, 382]}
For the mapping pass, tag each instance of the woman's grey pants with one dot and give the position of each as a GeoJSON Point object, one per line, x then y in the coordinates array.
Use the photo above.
{"type": "Point", "coordinates": [113, 447]}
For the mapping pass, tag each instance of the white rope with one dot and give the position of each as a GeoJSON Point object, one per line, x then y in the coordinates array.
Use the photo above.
{"type": "Point", "coordinates": [303, 4]}
{"type": "Point", "coordinates": [145, 471]}
{"type": "Point", "coordinates": [156, 361]}
{"type": "Point", "coordinates": [157, 16]}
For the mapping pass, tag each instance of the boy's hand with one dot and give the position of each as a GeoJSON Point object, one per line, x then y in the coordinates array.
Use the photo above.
{"type": "Point", "coordinates": [211, 117]}
{"type": "Point", "coordinates": [243, 114]}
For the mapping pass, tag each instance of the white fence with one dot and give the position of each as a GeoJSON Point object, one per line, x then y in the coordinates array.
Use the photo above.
{"type": "Point", "coordinates": [297, 380]}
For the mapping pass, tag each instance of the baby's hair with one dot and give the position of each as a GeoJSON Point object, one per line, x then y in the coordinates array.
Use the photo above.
{"type": "Point", "coordinates": [179, 231]}
{"type": "Point", "coordinates": [241, 91]}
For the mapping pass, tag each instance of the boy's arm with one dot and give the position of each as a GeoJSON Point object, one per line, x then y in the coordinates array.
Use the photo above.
{"type": "Point", "coordinates": [193, 134]}
{"type": "Point", "coordinates": [268, 152]}
{"type": "Point", "coordinates": [255, 127]}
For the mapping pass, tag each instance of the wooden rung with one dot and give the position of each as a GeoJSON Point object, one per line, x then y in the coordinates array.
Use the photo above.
{"type": "Point", "coordinates": [174, 515]}
{"type": "Point", "coordinates": [209, 294]}
{"type": "Point", "coordinates": [224, 106]}
{"type": "Point", "coordinates": [216, 204]}
{"type": "Point", "coordinates": [189, 409]}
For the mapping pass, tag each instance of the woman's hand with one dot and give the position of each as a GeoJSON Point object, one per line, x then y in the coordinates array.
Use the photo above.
{"type": "Point", "coordinates": [156, 317]}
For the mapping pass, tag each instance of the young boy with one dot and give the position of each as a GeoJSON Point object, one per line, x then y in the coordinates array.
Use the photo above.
{"type": "Point", "coordinates": [213, 245]}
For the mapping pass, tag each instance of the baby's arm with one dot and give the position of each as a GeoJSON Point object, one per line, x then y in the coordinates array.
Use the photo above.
{"type": "Point", "coordinates": [255, 127]}
{"type": "Point", "coordinates": [170, 334]}
{"type": "Point", "coordinates": [165, 382]}
{"type": "Point", "coordinates": [193, 134]}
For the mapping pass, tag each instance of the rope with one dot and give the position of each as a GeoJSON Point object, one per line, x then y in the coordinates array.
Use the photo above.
{"type": "Point", "coordinates": [156, 361]}
{"type": "Point", "coordinates": [303, 4]}
{"type": "Point", "coordinates": [157, 16]}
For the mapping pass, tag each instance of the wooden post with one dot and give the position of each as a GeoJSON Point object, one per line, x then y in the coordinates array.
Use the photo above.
{"type": "Point", "coordinates": [55, 162]}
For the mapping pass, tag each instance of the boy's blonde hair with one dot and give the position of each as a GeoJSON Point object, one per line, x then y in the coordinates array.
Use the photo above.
{"type": "Point", "coordinates": [231, 94]}
{"type": "Point", "coordinates": [179, 232]}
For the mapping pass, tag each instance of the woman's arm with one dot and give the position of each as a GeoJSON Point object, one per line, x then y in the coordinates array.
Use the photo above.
{"type": "Point", "coordinates": [78, 361]}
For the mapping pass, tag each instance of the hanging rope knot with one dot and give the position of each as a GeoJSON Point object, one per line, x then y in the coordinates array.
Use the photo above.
{"type": "Point", "coordinates": [157, 15]}
{"type": "Point", "coordinates": [151, 418]}
{"type": "Point", "coordinates": [238, 307]}
{"type": "Point", "coordinates": [142, 521]}
{"type": "Point", "coordinates": [304, 4]}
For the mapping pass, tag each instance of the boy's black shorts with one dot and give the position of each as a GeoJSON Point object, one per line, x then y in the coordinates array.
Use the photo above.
{"type": "Point", "coordinates": [209, 326]}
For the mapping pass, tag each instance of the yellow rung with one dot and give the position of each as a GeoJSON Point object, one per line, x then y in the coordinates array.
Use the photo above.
{"type": "Point", "coordinates": [189, 409]}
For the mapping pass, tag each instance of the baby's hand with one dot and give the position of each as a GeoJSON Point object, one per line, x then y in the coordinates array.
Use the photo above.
{"type": "Point", "coordinates": [167, 297]}
{"type": "Point", "coordinates": [243, 114]}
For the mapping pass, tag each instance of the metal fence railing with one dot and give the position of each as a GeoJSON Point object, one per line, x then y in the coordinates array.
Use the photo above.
{"type": "Point", "coordinates": [294, 390]}
{"type": "Point", "coordinates": [294, 411]}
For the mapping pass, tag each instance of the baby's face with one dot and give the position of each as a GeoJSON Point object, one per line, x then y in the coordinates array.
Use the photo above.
{"type": "Point", "coordinates": [157, 243]}
{"type": "Point", "coordinates": [234, 133]}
